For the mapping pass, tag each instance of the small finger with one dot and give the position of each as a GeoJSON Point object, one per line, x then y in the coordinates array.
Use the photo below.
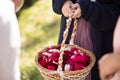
{"type": "Point", "coordinates": [74, 15]}
{"type": "Point", "coordinates": [78, 16]}
{"type": "Point", "coordinates": [66, 14]}
{"type": "Point", "coordinates": [71, 12]}
{"type": "Point", "coordinates": [70, 15]}
{"type": "Point", "coordinates": [77, 13]}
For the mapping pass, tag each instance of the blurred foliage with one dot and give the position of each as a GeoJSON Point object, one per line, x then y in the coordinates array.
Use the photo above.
{"type": "Point", "coordinates": [39, 27]}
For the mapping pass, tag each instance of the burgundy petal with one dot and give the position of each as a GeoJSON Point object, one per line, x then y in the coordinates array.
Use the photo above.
{"type": "Point", "coordinates": [78, 66]}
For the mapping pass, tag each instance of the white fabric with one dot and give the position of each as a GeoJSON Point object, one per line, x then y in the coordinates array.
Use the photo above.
{"type": "Point", "coordinates": [9, 42]}
{"type": "Point", "coordinates": [9, 31]}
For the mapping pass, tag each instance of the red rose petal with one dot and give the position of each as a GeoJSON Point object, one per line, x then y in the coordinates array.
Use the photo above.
{"type": "Point", "coordinates": [78, 66]}
{"type": "Point", "coordinates": [55, 56]}
{"type": "Point", "coordinates": [71, 57]}
{"type": "Point", "coordinates": [51, 67]}
{"type": "Point", "coordinates": [77, 58]}
{"type": "Point", "coordinates": [43, 63]}
{"type": "Point", "coordinates": [40, 54]}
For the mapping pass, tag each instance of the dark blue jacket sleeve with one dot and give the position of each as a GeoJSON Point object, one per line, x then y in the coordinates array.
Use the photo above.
{"type": "Point", "coordinates": [57, 5]}
{"type": "Point", "coordinates": [102, 16]}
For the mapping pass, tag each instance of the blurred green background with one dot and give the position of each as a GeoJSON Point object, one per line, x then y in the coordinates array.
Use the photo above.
{"type": "Point", "coordinates": [39, 27]}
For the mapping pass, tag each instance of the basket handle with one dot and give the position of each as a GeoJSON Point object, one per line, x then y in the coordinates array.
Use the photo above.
{"type": "Point", "coordinates": [73, 32]}
{"type": "Point", "coordinates": [65, 35]}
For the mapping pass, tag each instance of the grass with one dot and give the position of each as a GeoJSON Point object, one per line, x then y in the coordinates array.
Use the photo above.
{"type": "Point", "coordinates": [39, 27]}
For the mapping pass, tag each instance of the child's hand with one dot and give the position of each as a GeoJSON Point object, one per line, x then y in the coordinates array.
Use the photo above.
{"type": "Point", "coordinates": [67, 9]}
{"type": "Point", "coordinates": [77, 10]}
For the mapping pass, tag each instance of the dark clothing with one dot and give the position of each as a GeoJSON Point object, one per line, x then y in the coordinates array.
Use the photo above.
{"type": "Point", "coordinates": [102, 15]}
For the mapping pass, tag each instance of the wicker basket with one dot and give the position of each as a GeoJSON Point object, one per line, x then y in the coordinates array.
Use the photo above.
{"type": "Point", "coordinates": [68, 75]}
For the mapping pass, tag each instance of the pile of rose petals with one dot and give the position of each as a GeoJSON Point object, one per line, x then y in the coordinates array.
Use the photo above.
{"type": "Point", "coordinates": [73, 58]}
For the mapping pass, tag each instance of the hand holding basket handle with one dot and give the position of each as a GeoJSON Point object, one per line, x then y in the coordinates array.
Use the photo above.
{"type": "Point", "coordinates": [60, 73]}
